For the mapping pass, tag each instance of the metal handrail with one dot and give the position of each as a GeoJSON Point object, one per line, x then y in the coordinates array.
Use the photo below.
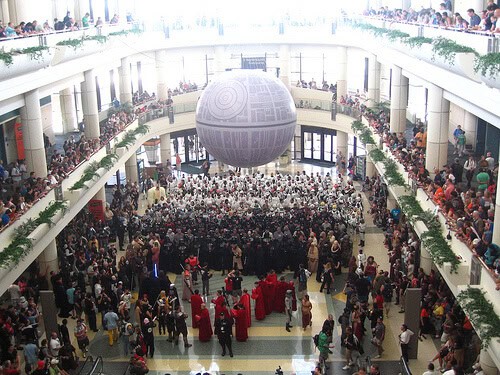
{"type": "Point", "coordinates": [98, 361]}
{"type": "Point", "coordinates": [89, 358]}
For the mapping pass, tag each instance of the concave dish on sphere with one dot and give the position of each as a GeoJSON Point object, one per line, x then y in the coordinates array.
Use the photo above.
{"type": "Point", "coordinates": [246, 118]}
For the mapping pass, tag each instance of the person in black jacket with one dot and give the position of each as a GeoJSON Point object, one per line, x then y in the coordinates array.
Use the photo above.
{"type": "Point", "coordinates": [224, 330]}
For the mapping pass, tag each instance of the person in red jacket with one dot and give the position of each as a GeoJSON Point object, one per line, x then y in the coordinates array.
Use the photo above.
{"type": "Point", "coordinates": [204, 324]}
{"type": "Point", "coordinates": [239, 314]}
{"type": "Point", "coordinates": [196, 302]}
{"type": "Point", "coordinates": [260, 310]}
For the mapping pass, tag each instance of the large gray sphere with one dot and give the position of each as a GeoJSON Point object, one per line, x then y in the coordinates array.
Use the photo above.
{"type": "Point", "coordinates": [246, 118]}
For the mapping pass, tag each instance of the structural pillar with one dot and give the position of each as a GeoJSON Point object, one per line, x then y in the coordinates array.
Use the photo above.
{"type": "Point", "coordinates": [219, 60]}
{"type": "Point", "coordinates": [161, 75]}
{"type": "Point", "coordinates": [341, 73]}
{"type": "Point", "coordinates": [89, 105]}
{"type": "Point", "coordinates": [416, 101]}
{"type": "Point", "coordinates": [100, 196]}
{"type": "Point", "coordinates": [438, 113]}
{"type": "Point", "coordinates": [399, 100]}
{"type": "Point", "coordinates": [165, 149]}
{"type": "Point", "coordinates": [373, 81]}
{"type": "Point", "coordinates": [370, 170]}
{"type": "Point", "coordinates": [57, 122]}
{"type": "Point", "coordinates": [48, 260]}
{"type": "Point", "coordinates": [34, 150]}
{"type": "Point", "coordinates": [284, 64]}
{"type": "Point", "coordinates": [4, 9]}
{"type": "Point", "coordinates": [68, 110]}
{"type": "Point", "coordinates": [487, 364]}
{"type": "Point", "coordinates": [342, 140]}
{"type": "Point", "coordinates": [125, 82]}
{"type": "Point", "coordinates": [470, 129]}
{"type": "Point", "coordinates": [131, 169]}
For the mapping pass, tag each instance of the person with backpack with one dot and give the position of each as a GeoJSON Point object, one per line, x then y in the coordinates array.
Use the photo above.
{"type": "Point", "coordinates": [351, 344]}
{"type": "Point", "coordinates": [322, 342]}
{"type": "Point", "coordinates": [303, 275]}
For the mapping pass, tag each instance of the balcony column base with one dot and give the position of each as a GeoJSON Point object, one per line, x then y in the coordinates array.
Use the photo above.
{"type": "Point", "coordinates": [373, 81]}
{"type": "Point", "coordinates": [48, 260]}
{"type": "Point", "coordinates": [165, 149]}
{"type": "Point", "coordinates": [342, 140]}
{"type": "Point", "coordinates": [125, 81]}
{"type": "Point", "coordinates": [131, 170]}
{"type": "Point", "coordinates": [470, 129]}
{"type": "Point", "coordinates": [68, 111]}
{"type": "Point", "coordinates": [89, 105]}
{"type": "Point", "coordinates": [342, 73]}
{"type": "Point", "coordinates": [487, 364]}
{"type": "Point", "coordinates": [399, 100]}
{"type": "Point", "coordinates": [161, 75]}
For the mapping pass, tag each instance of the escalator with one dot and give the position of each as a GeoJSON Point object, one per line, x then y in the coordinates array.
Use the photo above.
{"type": "Point", "coordinates": [96, 366]}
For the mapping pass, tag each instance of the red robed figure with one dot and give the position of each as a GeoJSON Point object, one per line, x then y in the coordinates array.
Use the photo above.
{"type": "Point", "coordinates": [205, 326]}
{"type": "Point", "coordinates": [196, 302]}
{"type": "Point", "coordinates": [245, 301]}
{"type": "Point", "coordinates": [260, 310]}
{"type": "Point", "coordinates": [240, 319]}
{"type": "Point", "coordinates": [268, 292]}
{"type": "Point", "coordinates": [279, 300]}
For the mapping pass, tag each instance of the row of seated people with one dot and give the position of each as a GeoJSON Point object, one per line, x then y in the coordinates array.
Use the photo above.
{"type": "Point", "coordinates": [68, 23]}
{"type": "Point", "coordinates": [486, 20]}
{"type": "Point", "coordinates": [464, 191]}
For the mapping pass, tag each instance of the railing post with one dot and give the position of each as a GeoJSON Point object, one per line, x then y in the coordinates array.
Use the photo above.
{"type": "Point", "coordinates": [420, 31]}
{"type": "Point", "coordinates": [334, 111]}
{"type": "Point", "coordinates": [493, 45]}
{"type": "Point", "coordinates": [42, 40]}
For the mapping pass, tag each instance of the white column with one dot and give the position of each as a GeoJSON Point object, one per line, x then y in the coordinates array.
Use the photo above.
{"type": "Point", "coordinates": [48, 260]}
{"type": "Point", "coordinates": [370, 168]}
{"type": "Point", "coordinates": [89, 105]}
{"type": "Point", "coordinates": [342, 140]}
{"type": "Point", "coordinates": [68, 110]}
{"type": "Point", "coordinates": [165, 149]}
{"type": "Point", "coordinates": [285, 64]}
{"type": "Point", "coordinates": [125, 82]}
{"type": "Point", "coordinates": [470, 129]}
{"type": "Point", "coordinates": [81, 7]}
{"type": "Point", "coordinates": [438, 112]}
{"type": "Point", "coordinates": [399, 99]}
{"type": "Point", "coordinates": [34, 150]}
{"type": "Point", "coordinates": [220, 63]}
{"type": "Point", "coordinates": [101, 195]}
{"type": "Point", "coordinates": [57, 121]}
{"type": "Point", "coordinates": [4, 9]}
{"type": "Point", "coordinates": [373, 81]}
{"type": "Point", "coordinates": [487, 364]}
{"type": "Point", "coordinates": [131, 168]}
{"type": "Point", "coordinates": [416, 101]}
{"type": "Point", "coordinates": [342, 72]}
{"type": "Point", "coordinates": [161, 75]}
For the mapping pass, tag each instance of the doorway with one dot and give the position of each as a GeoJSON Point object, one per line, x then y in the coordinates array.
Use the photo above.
{"type": "Point", "coordinates": [319, 144]}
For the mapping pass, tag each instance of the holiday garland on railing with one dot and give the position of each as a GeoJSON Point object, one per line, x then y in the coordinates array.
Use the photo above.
{"type": "Point", "coordinates": [90, 173]}
{"type": "Point", "coordinates": [21, 244]}
{"type": "Point", "coordinates": [130, 136]}
{"type": "Point", "coordinates": [392, 176]}
{"type": "Point", "coordinates": [377, 155]}
{"type": "Point", "coordinates": [481, 314]}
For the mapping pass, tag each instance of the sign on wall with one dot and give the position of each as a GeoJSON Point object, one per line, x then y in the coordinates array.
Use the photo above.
{"type": "Point", "coordinates": [18, 132]}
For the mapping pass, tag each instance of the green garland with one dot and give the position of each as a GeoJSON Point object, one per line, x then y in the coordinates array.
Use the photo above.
{"type": "Point", "coordinates": [363, 132]}
{"type": "Point", "coordinates": [447, 49]}
{"type": "Point", "coordinates": [481, 314]}
{"type": "Point", "coordinates": [130, 137]}
{"type": "Point", "coordinates": [377, 155]}
{"type": "Point", "coordinates": [439, 249]}
{"type": "Point", "coordinates": [488, 65]}
{"type": "Point", "coordinates": [417, 41]}
{"type": "Point", "coordinates": [36, 53]}
{"type": "Point", "coordinates": [108, 161]}
{"type": "Point", "coordinates": [89, 174]}
{"type": "Point", "coordinates": [410, 206]}
{"type": "Point", "coordinates": [21, 244]}
{"type": "Point", "coordinates": [392, 176]}
{"type": "Point", "coordinates": [76, 43]}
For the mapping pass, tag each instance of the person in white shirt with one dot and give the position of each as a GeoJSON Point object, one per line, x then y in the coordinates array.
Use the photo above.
{"type": "Point", "coordinates": [490, 160]}
{"type": "Point", "coordinates": [15, 294]}
{"type": "Point", "coordinates": [54, 345]}
{"type": "Point", "coordinates": [430, 370]}
{"type": "Point", "coordinates": [404, 340]}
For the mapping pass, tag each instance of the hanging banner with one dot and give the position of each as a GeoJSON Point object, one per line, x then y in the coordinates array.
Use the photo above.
{"type": "Point", "coordinates": [18, 132]}
{"type": "Point", "coordinates": [96, 208]}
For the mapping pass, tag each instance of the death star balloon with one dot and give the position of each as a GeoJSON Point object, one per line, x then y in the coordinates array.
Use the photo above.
{"type": "Point", "coordinates": [246, 118]}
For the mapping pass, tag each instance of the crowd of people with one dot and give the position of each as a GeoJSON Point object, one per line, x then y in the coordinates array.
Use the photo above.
{"type": "Point", "coordinates": [68, 23]}
{"type": "Point", "coordinates": [484, 20]}
{"type": "Point", "coordinates": [464, 191]}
